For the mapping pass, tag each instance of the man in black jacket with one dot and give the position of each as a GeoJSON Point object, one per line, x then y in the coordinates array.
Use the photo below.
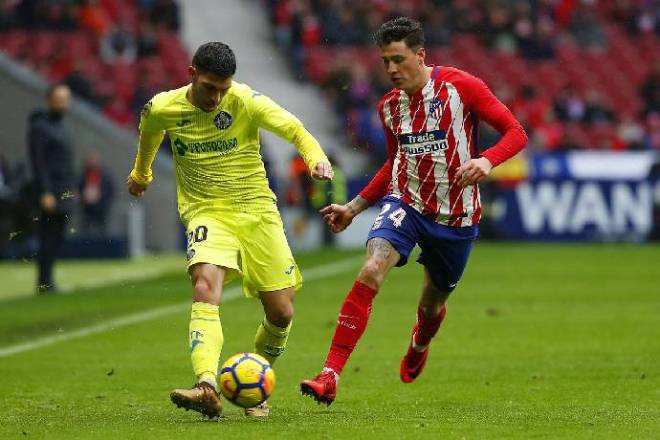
{"type": "Point", "coordinates": [51, 155]}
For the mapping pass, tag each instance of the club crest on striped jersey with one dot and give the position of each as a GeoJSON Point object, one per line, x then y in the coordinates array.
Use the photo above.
{"type": "Point", "coordinates": [435, 108]}
{"type": "Point", "coordinates": [223, 120]}
{"type": "Point", "coordinates": [422, 143]}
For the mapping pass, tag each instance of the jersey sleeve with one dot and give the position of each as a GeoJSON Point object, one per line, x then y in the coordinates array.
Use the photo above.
{"type": "Point", "coordinates": [380, 184]}
{"type": "Point", "coordinates": [487, 107]}
{"type": "Point", "coordinates": [270, 116]}
{"type": "Point", "coordinates": [151, 136]}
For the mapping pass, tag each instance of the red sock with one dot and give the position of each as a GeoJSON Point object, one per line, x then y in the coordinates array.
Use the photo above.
{"type": "Point", "coordinates": [427, 328]}
{"type": "Point", "coordinates": [351, 324]}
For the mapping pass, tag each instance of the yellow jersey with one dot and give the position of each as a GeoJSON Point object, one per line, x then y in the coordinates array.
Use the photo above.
{"type": "Point", "coordinates": [216, 154]}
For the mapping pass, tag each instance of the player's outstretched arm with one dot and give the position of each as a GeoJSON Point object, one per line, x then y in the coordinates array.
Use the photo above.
{"type": "Point", "coordinates": [151, 136]}
{"type": "Point", "coordinates": [484, 103]}
{"type": "Point", "coordinates": [267, 114]}
{"type": "Point", "coordinates": [338, 217]}
{"type": "Point", "coordinates": [141, 175]}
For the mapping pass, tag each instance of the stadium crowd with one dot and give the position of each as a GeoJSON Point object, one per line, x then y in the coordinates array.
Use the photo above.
{"type": "Point", "coordinates": [580, 74]}
{"type": "Point", "coordinates": [115, 54]}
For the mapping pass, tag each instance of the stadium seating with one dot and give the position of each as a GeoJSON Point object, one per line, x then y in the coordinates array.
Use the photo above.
{"type": "Point", "coordinates": [614, 71]}
{"type": "Point", "coordinates": [57, 53]}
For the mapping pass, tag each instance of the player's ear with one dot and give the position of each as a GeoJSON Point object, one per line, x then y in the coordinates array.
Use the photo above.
{"type": "Point", "coordinates": [421, 55]}
{"type": "Point", "coordinates": [192, 72]}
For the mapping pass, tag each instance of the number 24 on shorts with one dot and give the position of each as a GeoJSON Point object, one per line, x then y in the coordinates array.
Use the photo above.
{"type": "Point", "coordinates": [396, 216]}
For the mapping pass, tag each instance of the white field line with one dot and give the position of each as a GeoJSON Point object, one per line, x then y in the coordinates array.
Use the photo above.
{"type": "Point", "coordinates": [230, 294]}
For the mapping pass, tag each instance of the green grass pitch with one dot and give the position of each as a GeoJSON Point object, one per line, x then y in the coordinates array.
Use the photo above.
{"type": "Point", "coordinates": [541, 341]}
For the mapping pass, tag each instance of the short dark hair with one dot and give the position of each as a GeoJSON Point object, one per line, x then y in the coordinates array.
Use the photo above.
{"type": "Point", "coordinates": [401, 29]}
{"type": "Point", "coordinates": [215, 57]}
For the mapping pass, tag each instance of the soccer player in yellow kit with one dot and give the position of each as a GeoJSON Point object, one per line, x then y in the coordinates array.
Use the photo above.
{"type": "Point", "coordinates": [232, 222]}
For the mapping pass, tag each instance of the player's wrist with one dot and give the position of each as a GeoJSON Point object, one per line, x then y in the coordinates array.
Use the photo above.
{"type": "Point", "coordinates": [356, 206]}
{"type": "Point", "coordinates": [140, 179]}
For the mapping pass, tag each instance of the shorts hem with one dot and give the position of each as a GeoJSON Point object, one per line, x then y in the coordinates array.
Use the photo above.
{"type": "Point", "coordinates": [403, 257]}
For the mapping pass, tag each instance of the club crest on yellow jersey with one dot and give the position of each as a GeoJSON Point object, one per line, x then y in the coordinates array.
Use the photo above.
{"type": "Point", "coordinates": [223, 120]}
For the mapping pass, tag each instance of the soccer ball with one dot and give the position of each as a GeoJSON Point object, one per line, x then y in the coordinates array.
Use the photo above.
{"type": "Point", "coordinates": [247, 379]}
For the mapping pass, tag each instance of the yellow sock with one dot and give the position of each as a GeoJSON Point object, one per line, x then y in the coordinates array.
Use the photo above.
{"type": "Point", "coordinates": [270, 340]}
{"type": "Point", "coordinates": [205, 341]}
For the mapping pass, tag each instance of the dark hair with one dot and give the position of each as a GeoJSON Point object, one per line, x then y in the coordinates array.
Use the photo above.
{"type": "Point", "coordinates": [216, 58]}
{"type": "Point", "coordinates": [54, 86]}
{"type": "Point", "coordinates": [401, 29]}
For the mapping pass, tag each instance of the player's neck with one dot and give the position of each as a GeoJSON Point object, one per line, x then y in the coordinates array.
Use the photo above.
{"type": "Point", "coordinates": [190, 97]}
{"type": "Point", "coordinates": [424, 78]}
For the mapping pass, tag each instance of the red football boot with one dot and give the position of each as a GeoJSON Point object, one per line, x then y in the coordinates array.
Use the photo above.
{"type": "Point", "coordinates": [413, 364]}
{"type": "Point", "coordinates": [323, 388]}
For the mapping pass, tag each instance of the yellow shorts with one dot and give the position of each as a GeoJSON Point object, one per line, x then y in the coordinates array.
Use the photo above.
{"type": "Point", "coordinates": [250, 245]}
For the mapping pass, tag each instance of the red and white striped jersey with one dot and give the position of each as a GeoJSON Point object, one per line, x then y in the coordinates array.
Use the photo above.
{"type": "Point", "coordinates": [430, 134]}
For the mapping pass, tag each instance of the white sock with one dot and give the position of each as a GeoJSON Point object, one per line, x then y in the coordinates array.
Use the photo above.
{"type": "Point", "coordinates": [209, 380]}
{"type": "Point", "coordinates": [333, 372]}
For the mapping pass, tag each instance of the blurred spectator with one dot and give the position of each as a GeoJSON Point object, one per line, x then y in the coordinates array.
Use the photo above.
{"type": "Point", "coordinates": [96, 194]}
{"type": "Point", "coordinates": [51, 154]}
{"type": "Point", "coordinates": [588, 32]}
{"type": "Point", "coordinates": [535, 42]}
{"type": "Point", "coordinates": [652, 136]}
{"type": "Point", "coordinates": [165, 14]}
{"type": "Point", "coordinates": [650, 90]}
{"type": "Point", "coordinates": [147, 40]}
{"type": "Point", "coordinates": [631, 133]}
{"type": "Point", "coordinates": [624, 13]}
{"type": "Point", "coordinates": [498, 32]}
{"type": "Point", "coordinates": [569, 106]}
{"type": "Point", "coordinates": [93, 17]}
{"type": "Point", "coordinates": [9, 18]}
{"type": "Point", "coordinates": [299, 194]}
{"type": "Point", "coordinates": [437, 29]}
{"type": "Point", "coordinates": [80, 84]}
{"type": "Point", "coordinates": [548, 135]}
{"type": "Point", "coordinates": [596, 110]}
{"type": "Point", "coordinates": [529, 106]}
{"type": "Point", "coordinates": [648, 17]}
{"type": "Point", "coordinates": [118, 46]}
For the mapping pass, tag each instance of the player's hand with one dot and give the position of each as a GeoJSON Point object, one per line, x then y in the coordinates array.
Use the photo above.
{"type": "Point", "coordinates": [473, 171]}
{"type": "Point", "coordinates": [322, 171]}
{"type": "Point", "coordinates": [135, 188]}
{"type": "Point", "coordinates": [48, 202]}
{"type": "Point", "coordinates": [338, 217]}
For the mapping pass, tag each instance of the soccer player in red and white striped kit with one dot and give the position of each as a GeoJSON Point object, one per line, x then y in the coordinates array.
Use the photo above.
{"type": "Point", "coordinates": [427, 189]}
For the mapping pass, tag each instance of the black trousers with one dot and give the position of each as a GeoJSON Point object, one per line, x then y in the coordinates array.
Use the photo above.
{"type": "Point", "coordinates": [51, 235]}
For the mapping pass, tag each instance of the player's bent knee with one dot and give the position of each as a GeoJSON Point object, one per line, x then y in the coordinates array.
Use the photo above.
{"type": "Point", "coordinates": [280, 315]}
{"type": "Point", "coordinates": [372, 274]}
{"type": "Point", "coordinates": [203, 290]}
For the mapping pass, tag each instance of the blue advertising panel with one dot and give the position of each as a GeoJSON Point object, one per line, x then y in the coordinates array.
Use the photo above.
{"type": "Point", "coordinates": [582, 196]}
